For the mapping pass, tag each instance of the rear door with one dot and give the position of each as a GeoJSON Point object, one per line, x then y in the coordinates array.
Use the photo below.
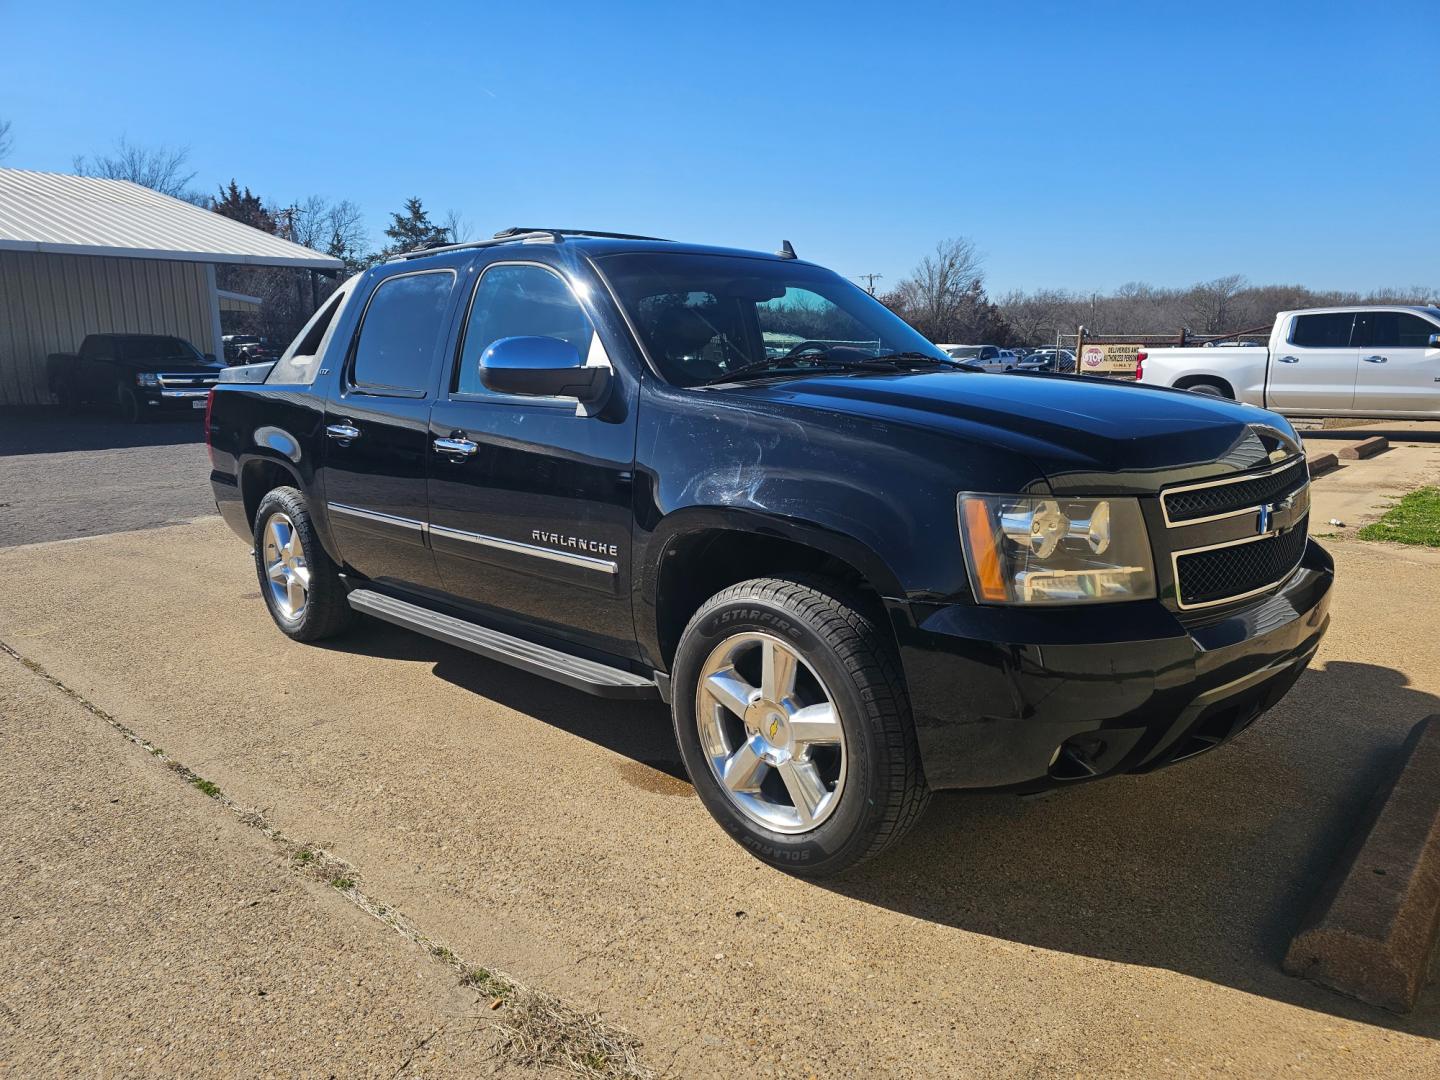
{"type": "Point", "coordinates": [1399, 371]}
{"type": "Point", "coordinates": [533, 519]}
{"type": "Point", "coordinates": [377, 429]}
{"type": "Point", "coordinates": [1314, 367]}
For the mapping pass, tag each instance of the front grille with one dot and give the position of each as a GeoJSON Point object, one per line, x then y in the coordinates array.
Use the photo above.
{"type": "Point", "coordinates": [1232, 496]}
{"type": "Point", "coordinates": [1225, 573]}
{"type": "Point", "coordinates": [188, 382]}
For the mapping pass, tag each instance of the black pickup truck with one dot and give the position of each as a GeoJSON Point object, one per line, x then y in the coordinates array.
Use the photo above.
{"type": "Point", "coordinates": [857, 569]}
{"type": "Point", "coordinates": [141, 374]}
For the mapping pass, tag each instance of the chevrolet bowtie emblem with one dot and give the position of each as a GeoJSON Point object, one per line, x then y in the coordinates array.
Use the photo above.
{"type": "Point", "coordinates": [774, 727]}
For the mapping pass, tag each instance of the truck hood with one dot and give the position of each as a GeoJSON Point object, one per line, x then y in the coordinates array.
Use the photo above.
{"type": "Point", "coordinates": [1086, 435]}
{"type": "Point", "coordinates": [177, 366]}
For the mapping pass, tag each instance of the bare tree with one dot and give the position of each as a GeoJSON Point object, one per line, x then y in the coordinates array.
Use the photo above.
{"type": "Point", "coordinates": [456, 227]}
{"type": "Point", "coordinates": [1213, 304]}
{"type": "Point", "coordinates": [160, 168]}
{"type": "Point", "coordinates": [7, 141]}
{"type": "Point", "coordinates": [936, 293]}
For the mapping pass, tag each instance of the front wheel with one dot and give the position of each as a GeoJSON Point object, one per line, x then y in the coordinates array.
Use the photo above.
{"type": "Point", "coordinates": [795, 726]}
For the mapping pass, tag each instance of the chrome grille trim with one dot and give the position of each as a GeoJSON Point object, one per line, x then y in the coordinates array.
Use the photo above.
{"type": "Point", "coordinates": [1227, 481]}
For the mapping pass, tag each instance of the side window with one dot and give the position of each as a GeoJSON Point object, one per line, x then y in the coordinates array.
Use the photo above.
{"type": "Point", "coordinates": [518, 300]}
{"type": "Point", "coordinates": [1330, 331]}
{"type": "Point", "coordinates": [401, 330]}
{"type": "Point", "coordinates": [1399, 330]}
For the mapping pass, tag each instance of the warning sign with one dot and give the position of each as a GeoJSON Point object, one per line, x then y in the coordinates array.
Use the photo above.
{"type": "Point", "coordinates": [1109, 359]}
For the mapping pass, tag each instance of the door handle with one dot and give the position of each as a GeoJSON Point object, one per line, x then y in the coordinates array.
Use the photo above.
{"type": "Point", "coordinates": [459, 447]}
{"type": "Point", "coordinates": [1289, 359]}
{"type": "Point", "coordinates": [344, 430]}
{"type": "Point", "coordinates": [1376, 359]}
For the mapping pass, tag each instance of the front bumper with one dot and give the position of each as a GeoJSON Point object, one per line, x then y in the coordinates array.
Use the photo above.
{"type": "Point", "coordinates": [178, 400]}
{"type": "Point", "coordinates": [1029, 699]}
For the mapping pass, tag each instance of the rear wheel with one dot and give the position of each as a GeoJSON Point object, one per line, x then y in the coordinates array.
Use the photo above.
{"type": "Point", "coordinates": [299, 581]}
{"type": "Point", "coordinates": [795, 726]}
{"type": "Point", "coordinates": [1208, 389]}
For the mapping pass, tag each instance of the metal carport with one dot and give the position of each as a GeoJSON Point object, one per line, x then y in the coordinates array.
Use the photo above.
{"type": "Point", "coordinates": [82, 254]}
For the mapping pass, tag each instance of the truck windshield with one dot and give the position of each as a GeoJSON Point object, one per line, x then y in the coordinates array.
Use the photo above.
{"type": "Point", "coordinates": [704, 317]}
{"type": "Point", "coordinates": [155, 348]}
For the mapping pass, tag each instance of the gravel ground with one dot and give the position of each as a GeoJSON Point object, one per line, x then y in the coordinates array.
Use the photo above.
{"type": "Point", "coordinates": [65, 476]}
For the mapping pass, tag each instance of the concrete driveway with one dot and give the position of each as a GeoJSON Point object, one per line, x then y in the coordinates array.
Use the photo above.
{"type": "Point", "coordinates": [1133, 927]}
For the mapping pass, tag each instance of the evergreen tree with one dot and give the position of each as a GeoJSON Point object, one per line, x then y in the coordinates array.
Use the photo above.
{"type": "Point", "coordinates": [413, 229]}
{"type": "Point", "coordinates": [244, 207]}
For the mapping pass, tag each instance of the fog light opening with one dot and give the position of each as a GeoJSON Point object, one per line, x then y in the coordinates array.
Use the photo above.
{"type": "Point", "coordinates": [1077, 758]}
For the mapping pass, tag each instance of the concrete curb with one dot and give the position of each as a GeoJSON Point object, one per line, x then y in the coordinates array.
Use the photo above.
{"type": "Point", "coordinates": [1323, 463]}
{"type": "Point", "coordinates": [1374, 923]}
{"type": "Point", "coordinates": [1365, 448]}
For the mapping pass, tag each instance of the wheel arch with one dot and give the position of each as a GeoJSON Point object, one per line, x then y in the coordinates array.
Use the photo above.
{"type": "Point", "coordinates": [1188, 382]}
{"type": "Point", "coordinates": [702, 551]}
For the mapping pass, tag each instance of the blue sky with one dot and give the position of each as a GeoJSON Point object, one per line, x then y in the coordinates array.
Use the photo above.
{"type": "Point", "coordinates": [1079, 145]}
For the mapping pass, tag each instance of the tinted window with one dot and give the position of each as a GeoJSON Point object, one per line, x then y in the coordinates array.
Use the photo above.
{"type": "Point", "coordinates": [1398, 330]}
{"type": "Point", "coordinates": [1322, 331]}
{"type": "Point", "coordinates": [154, 348]}
{"type": "Point", "coordinates": [403, 325]}
{"type": "Point", "coordinates": [519, 301]}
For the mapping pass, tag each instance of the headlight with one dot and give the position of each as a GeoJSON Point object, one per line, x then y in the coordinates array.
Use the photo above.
{"type": "Point", "coordinates": [1055, 551]}
{"type": "Point", "coordinates": [147, 378]}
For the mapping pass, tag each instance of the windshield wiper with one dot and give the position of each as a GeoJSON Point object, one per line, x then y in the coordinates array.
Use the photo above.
{"type": "Point", "coordinates": [883, 362]}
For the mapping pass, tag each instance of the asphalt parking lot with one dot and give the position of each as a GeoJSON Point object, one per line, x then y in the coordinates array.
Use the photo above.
{"type": "Point", "coordinates": [1131, 927]}
{"type": "Point", "coordinates": [62, 477]}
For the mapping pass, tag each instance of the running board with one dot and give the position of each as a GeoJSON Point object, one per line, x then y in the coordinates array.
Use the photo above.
{"type": "Point", "coordinates": [602, 680]}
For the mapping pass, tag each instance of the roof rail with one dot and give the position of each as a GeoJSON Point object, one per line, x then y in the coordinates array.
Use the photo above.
{"type": "Point", "coordinates": [518, 235]}
{"type": "Point", "coordinates": [503, 233]}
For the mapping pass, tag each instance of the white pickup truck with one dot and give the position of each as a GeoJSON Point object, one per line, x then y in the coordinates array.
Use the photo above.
{"type": "Point", "coordinates": [1381, 361]}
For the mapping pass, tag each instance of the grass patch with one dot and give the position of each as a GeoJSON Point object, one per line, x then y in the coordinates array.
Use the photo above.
{"type": "Point", "coordinates": [343, 883]}
{"type": "Point", "coordinates": [304, 857]}
{"type": "Point", "coordinates": [206, 787]}
{"type": "Point", "coordinates": [1415, 519]}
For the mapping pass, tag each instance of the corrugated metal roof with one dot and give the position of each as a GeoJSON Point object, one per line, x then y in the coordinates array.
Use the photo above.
{"type": "Point", "coordinates": [88, 215]}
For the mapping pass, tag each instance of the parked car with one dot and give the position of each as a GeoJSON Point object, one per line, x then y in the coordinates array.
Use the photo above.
{"type": "Point", "coordinates": [856, 574]}
{"type": "Point", "coordinates": [142, 374]}
{"type": "Point", "coordinates": [1380, 361]}
{"type": "Point", "coordinates": [245, 349]}
{"type": "Point", "coordinates": [988, 357]}
{"type": "Point", "coordinates": [1061, 360]}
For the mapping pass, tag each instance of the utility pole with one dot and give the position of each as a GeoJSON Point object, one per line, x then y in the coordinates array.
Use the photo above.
{"type": "Point", "coordinates": [869, 280]}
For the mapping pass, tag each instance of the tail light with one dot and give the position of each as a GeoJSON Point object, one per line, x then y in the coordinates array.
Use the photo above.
{"type": "Point", "coordinates": [1140, 365]}
{"type": "Point", "coordinates": [209, 406]}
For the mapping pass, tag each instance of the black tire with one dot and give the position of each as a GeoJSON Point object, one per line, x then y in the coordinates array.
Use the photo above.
{"type": "Point", "coordinates": [884, 790]}
{"type": "Point", "coordinates": [67, 397]}
{"type": "Point", "coordinates": [326, 612]}
{"type": "Point", "coordinates": [1208, 389]}
{"type": "Point", "coordinates": [131, 411]}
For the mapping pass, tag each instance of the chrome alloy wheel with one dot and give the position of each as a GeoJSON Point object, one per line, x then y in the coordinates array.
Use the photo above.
{"type": "Point", "coordinates": [284, 558]}
{"type": "Point", "coordinates": [771, 733]}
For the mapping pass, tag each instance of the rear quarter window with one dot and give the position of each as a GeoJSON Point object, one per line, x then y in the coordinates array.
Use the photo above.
{"type": "Point", "coordinates": [401, 332]}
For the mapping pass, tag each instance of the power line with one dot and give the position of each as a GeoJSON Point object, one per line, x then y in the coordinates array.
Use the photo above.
{"type": "Point", "coordinates": [869, 280]}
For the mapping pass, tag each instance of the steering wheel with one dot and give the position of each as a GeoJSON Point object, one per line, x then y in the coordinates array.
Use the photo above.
{"type": "Point", "coordinates": [807, 346]}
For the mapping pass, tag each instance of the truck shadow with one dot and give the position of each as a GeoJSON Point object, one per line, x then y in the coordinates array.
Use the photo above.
{"type": "Point", "coordinates": [1204, 869]}
{"type": "Point", "coordinates": [53, 431]}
